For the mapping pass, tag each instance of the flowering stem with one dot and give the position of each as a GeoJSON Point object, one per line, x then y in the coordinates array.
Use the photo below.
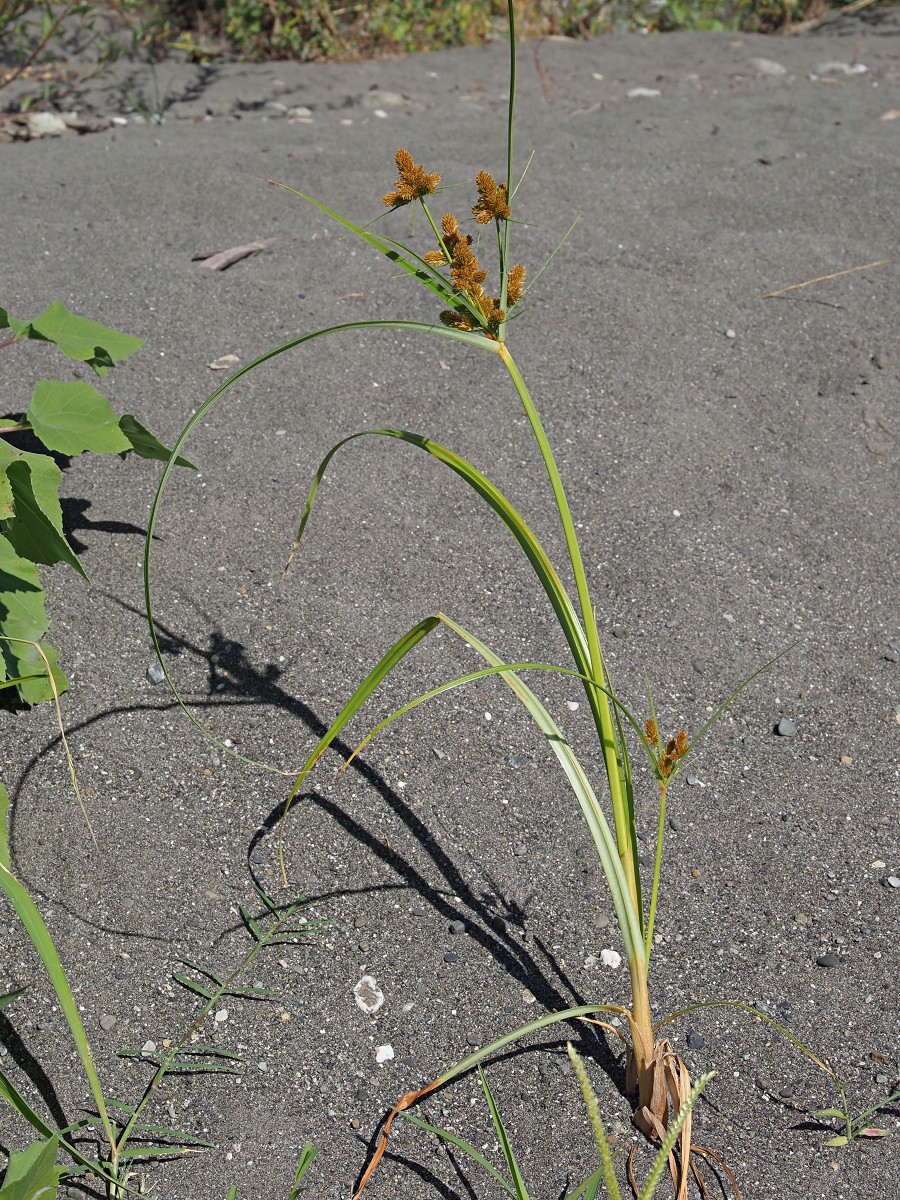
{"type": "Point", "coordinates": [648, 935]}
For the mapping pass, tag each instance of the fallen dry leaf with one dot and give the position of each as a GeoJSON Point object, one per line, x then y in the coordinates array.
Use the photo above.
{"type": "Point", "coordinates": [225, 363]}
{"type": "Point", "coordinates": [891, 115]}
{"type": "Point", "coordinates": [222, 259]}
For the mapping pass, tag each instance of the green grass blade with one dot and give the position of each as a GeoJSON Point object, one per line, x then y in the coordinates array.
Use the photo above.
{"type": "Point", "coordinates": [549, 259]}
{"type": "Point", "coordinates": [379, 672]}
{"type": "Point", "coordinates": [204, 409]}
{"type": "Point", "coordinates": [195, 966]}
{"type": "Point", "coordinates": [408, 261]}
{"type": "Point", "coordinates": [251, 923]}
{"type": "Point", "coordinates": [501, 506]}
{"type": "Point", "coordinates": [461, 1144]}
{"type": "Point", "coordinates": [604, 841]}
{"type": "Point", "coordinates": [731, 699]}
{"type": "Point", "coordinates": [197, 988]}
{"type": "Point", "coordinates": [9, 997]}
{"type": "Point", "coordinates": [763, 1016]}
{"type": "Point", "coordinates": [590, 1100]}
{"type": "Point", "coordinates": [589, 1189]}
{"type": "Point", "coordinates": [671, 1138]}
{"type": "Point", "coordinates": [521, 1191]}
{"type": "Point", "coordinates": [307, 1154]}
{"type": "Point", "coordinates": [33, 922]}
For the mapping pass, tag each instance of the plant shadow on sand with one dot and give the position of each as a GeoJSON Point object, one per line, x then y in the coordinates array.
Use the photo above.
{"type": "Point", "coordinates": [487, 913]}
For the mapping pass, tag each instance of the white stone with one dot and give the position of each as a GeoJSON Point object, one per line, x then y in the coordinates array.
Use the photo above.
{"type": "Point", "coordinates": [46, 124]}
{"type": "Point", "coordinates": [611, 958]}
{"type": "Point", "coordinates": [384, 1054]}
{"type": "Point", "coordinates": [369, 995]}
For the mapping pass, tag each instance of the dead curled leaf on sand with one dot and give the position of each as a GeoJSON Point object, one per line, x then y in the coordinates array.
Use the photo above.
{"type": "Point", "coordinates": [220, 260]}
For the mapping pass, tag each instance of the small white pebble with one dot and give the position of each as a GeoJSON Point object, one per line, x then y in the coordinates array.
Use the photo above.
{"type": "Point", "coordinates": [384, 1054]}
{"type": "Point", "coordinates": [675, 512]}
{"type": "Point", "coordinates": [488, 717]}
{"type": "Point", "coordinates": [221, 1016]}
{"type": "Point", "coordinates": [572, 705]}
{"type": "Point", "coordinates": [729, 333]}
{"type": "Point", "coordinates": [611, 958]}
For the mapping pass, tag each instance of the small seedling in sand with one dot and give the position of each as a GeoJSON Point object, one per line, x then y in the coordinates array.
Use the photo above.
{"type": "Point", "coordinates": [855, 1127]}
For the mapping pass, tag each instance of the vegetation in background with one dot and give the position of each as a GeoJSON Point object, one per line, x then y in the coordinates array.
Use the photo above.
{"type": "Point", "coordinates": [38, 36]}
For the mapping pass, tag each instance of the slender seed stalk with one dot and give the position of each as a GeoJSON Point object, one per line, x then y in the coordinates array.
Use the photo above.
{"type": "Point", "coordinates": [657, 866]}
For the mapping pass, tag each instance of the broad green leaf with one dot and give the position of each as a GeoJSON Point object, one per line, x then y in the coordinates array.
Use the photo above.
{"type": "Point", "coordinates": [72, 417]}
{"type": "Point", "coordinates": [45, 478]}
{"type": "Point", "coordinates": [6, 497]}
{"type": "Point", "coordinates": [82, 339]}
{"type": "Point", "coordinates": [836, 1141]}
{"type": "Point", "coordinates": [32, 1173]}
{"type": "Point", "coordinates": [828, 1112]}
{"type": "Point", "coordinates": [145, 445]}
{"type": "Point", "coordinates": [33, 532]}
{"type": "Point", "coordinates": [23, 621]}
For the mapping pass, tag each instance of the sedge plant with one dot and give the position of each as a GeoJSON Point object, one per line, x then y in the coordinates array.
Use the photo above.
{"type": "Point", "coordinates": [477, 315]}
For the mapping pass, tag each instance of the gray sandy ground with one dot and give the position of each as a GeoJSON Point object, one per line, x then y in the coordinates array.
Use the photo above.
{"type": "Point", "coordinates": [737, 495]}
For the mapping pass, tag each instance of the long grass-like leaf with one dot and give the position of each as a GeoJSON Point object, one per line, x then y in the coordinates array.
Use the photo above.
{"type": "Point", "coordinates": [521, 1191]}
{"type": "Point", "coordinates": [350, 326]}
{"type": "Point", "coordinates": [604, 841]}
{"type": "Point", "coordinates": [501, 506]}
{"type": "Point", "coordinates": [756, 1012]}
{"type": "Point", "coordinates": [461, 1144]}
{"type": "Point", "coordinates": [401, 255]}
{"type": "Point", "coordinates": [307, 1154]}
{"type": "Point", "coordinates": [14, 1098]}
{"type": "Point", "coordinates": [589, 1189]}
{"type": "Point", "coordinates": [472, 1060]}
{"type": "Point", "coordinates": [39, 934]}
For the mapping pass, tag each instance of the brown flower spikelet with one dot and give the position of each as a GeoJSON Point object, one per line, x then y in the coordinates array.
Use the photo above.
{"type": "Point", "coordinates": [492, 200]}
{"type": "Point", "coordinates": [451, 237]}
{"type": "Point", "coordinates": [465, 271]}
{"type": "Point", "coordinates": [515, 284]}
{"type": "Point", "coordinates": [456, 320]}
{"type": "Point", "coordinates": [652, 732]}
{"type": "Point", "coordinates": [413, 183]}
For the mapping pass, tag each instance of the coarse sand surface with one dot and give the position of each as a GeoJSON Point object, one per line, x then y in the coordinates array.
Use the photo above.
{"type": "Point", "coordinates": [732, 462]}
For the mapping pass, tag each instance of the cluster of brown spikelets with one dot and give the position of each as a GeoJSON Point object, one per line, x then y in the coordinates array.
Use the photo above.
{"type": "Point", "coordinates": [676, 748]}
{"type": "Point", "coordinates": [456, 247]}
